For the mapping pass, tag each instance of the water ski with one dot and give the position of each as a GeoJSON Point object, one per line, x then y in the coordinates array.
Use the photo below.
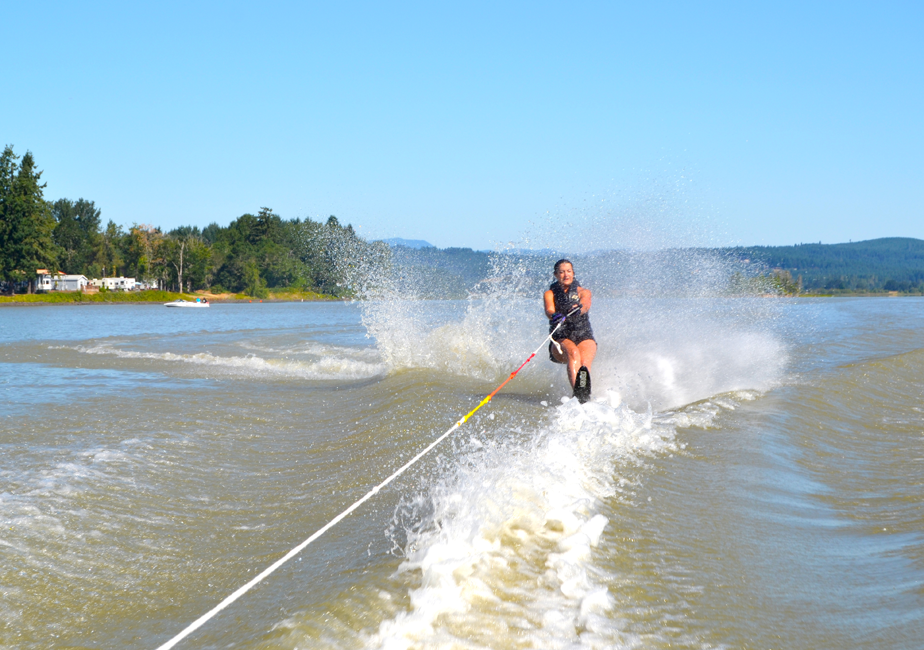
{"type": "Point", "coordinates": [582, 385]}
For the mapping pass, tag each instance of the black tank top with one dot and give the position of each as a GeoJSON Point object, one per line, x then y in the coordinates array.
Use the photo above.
{"type": "Point", "coordinates": [577, 328]}
{"type": "Point", "coordinates": [565, 301]}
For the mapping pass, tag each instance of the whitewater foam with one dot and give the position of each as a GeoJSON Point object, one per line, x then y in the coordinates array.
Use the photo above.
{"type": "Point", "coordinates": [330, 362]}
{"type": "Point", "coordinates": [513, 531]}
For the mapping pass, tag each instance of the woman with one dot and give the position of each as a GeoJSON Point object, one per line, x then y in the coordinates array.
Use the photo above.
{"type": "Point", "coordinates": [566, 300]}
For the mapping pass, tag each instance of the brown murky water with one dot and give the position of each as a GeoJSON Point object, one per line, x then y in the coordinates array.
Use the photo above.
{"type": "Point", "coordinates": [746, 477]}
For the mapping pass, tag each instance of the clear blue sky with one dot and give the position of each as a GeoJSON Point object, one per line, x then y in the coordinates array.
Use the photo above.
{"type": "Point", "coordinates": [482, 123]}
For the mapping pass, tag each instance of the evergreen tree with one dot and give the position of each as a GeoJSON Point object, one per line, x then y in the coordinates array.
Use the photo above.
{"type": "Point", "coordinates": [8, 169]}
{"type": "Point", "coordinates": [26, 241]}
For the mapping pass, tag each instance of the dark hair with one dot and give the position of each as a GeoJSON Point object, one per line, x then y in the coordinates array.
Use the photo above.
{"type": "Point", "coordinates": [560, 262]}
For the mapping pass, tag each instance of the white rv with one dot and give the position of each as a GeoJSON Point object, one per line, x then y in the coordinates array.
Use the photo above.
{"type": "Point", "coordinates": [114, 284]}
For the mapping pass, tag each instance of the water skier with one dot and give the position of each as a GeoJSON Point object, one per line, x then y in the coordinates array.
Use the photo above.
{"type": "Point", "coordinates": [566, 300]}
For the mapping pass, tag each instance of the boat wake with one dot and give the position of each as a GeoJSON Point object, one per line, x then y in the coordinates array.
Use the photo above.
{"type": "Point", "coordinates": [322, 363]}
{"type": "Point", "coordinates": [502, 548]}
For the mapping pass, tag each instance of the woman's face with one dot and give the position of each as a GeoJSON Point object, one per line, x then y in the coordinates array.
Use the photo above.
{"type": "Point", "coordinates": [565, 274]}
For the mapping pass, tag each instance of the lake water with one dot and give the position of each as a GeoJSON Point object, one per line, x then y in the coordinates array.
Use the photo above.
{"type": "Point", "coordinates": [750, 474]}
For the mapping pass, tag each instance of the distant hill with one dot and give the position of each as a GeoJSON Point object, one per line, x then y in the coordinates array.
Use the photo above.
{"type": "Point", "coordinates": [877, 265]}
{"type": "Point", "coordinates": [441, 272]}
{"type": "Point", "coordinates": [887, 264]}
{"type": "Point", "coordinates": [410, 243]}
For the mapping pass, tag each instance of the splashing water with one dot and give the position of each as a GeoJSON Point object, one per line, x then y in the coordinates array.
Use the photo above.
{"type": "Point", "coordinates": [667, 330]}
{"type": "Point", "coordinates": [500, 547]}
{"type": "Point", "coordinates": [504, 553]}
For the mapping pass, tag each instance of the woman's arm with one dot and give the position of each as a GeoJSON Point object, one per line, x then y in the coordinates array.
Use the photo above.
{"type": "Point", "coordinates": [549, 303]}
{"type": "Point", "coordinates": [585, 297]}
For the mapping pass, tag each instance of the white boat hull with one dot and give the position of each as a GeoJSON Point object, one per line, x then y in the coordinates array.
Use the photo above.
{"type": "Point", "coordinates": [187, 304]}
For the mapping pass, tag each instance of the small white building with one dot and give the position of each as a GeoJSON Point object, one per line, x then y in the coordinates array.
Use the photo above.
{"type": "Point", "coordinates": [59, 281]}
{"type": "Point", "coordinates": [114, 284]}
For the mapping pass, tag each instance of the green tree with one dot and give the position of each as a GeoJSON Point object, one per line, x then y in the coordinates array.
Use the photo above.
{"type": "Point", "coordinates": [189, 258]}
{"type": "Point", "coordinates": [211, 233]}
{"type": "Point", "coordinates": [8, 168]}
{"type": "Point", "coordinates": [26, 241]}
{"type": "Point", "coordinates": [110, 259]}
{"type": "Point", "coordinates": [234, 248]}
{"type": "Point", "coordinates": [143, 253]}
{"type": "Point", "coordinates": [254, 285]}
{"type": "Point", "coordinates": [268, 224]}
{"type": "Point", "coordinates": [335, 260]}
{"type": "Point", "coordinates": [783, 282]}
{"type": "Point", "coordinates": [173, 250]}
{"type": "Point", "coordinates": [77, 235]}
{"type": "Point", "coordinates": [200, 267]}
{"type": "Point", "coordinates": [255, 244]}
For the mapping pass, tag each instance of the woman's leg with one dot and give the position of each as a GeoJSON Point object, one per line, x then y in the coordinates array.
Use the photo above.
{"type": "Point", "coordinates": [574, 358]}
{"type": "Point", "coordinates": [581, 354]}
{"type": "Point", "coordinates": [588, 350]}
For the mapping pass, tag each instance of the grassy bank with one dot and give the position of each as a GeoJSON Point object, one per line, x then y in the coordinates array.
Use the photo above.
{"type": "Point", "coordinates": [70, 297]}
{"type": "Point", "coordinates": [859, 294]}
{"type": "Point", "coordinates": [76, 297]}
{"type": "Point", "coordinates": [282, 295]}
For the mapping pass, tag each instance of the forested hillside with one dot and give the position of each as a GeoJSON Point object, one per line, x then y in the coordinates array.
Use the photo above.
{"type": "Point", "coordinates": [251, 254]}
{"type": "Point", "coordinates": [440, 273]}
{"type": "Point", "coordinates": [888, 264]}
{"type": "Point", "coordinates": [874, 266]}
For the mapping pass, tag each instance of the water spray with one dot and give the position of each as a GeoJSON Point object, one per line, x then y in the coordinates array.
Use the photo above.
{"type": "Point", "coordinates": [202, 620]}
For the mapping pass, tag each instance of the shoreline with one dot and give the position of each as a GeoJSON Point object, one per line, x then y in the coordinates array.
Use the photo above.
{"type": "Point", "coordinates": [163, 297]}
{"type": "Point", "coordinates": [155, 298]}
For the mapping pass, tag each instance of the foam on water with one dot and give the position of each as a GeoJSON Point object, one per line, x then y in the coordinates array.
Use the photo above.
{"type": "Point", "coordinates": [666, 352]}
{"type": "Point", "coordinates": [500, 550]}
{"type": "Point", "coordinates": [325, 362]}
{"type": "Point", "coordinates": [475, 341]}
{"type": "Point", "coordinates": [43, 508]}
{"type": "Point", "coordinates": [670, 353]}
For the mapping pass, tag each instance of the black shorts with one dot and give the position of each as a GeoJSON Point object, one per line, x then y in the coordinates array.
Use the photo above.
{"type": "Point", "coordinates": [577, 340]}
{"type": "Point", "coordinates": [576, 337]}
{"type": "Point", "coordinates": [577, 332]}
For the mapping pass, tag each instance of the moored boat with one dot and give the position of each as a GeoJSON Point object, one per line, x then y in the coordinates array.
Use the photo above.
{"type": "Point", "coordinates": [199, 302]}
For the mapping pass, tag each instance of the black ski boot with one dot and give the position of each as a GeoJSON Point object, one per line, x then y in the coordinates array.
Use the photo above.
{"type": "Point", "coordinates": [582, 385]}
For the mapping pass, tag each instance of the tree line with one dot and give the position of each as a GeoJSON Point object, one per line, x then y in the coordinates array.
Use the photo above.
{"type": "Point", "coordinates": [253, 254]}
{"type": "Point", "coordinates": [876, 265]}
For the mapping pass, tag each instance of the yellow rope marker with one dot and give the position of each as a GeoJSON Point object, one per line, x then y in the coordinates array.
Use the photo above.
{"type": "Point", "coordinates": [199, 622]}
